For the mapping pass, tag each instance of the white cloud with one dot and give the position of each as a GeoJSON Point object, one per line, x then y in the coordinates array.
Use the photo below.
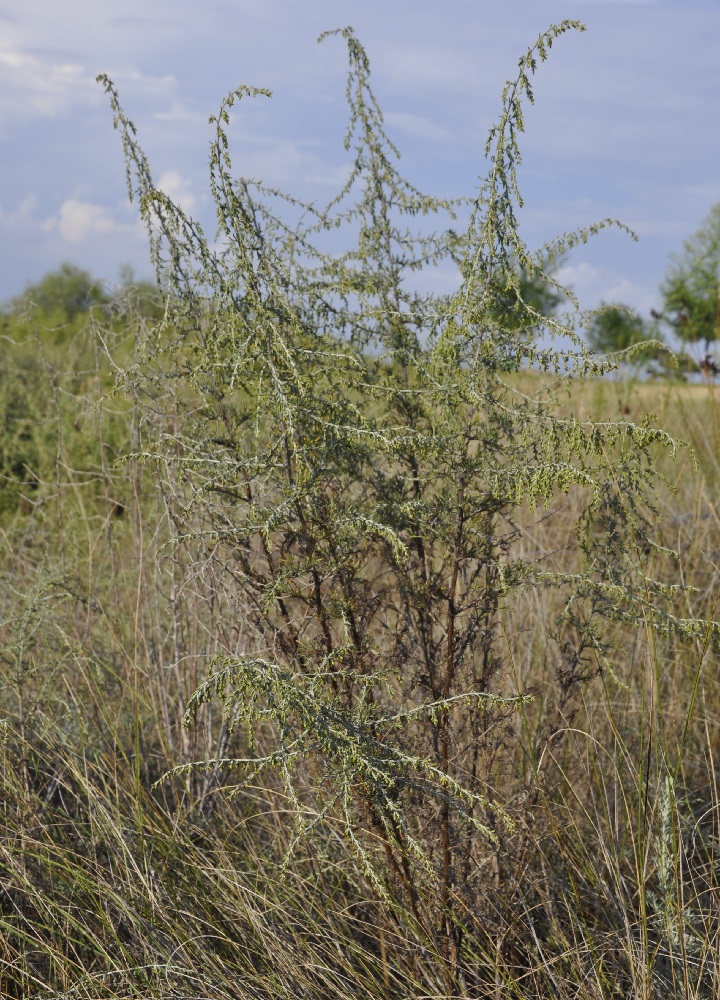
{"type": "Point", "coordinates": [179, 114]}
{"type": "Point", "coordinates": [80, 219]}
{"type": "Point", "coordinates": [96, 238]}
{"type": "Point", "coordinates": [23, 210]}
{"type": "Point", "coordinates": [593, 285]}
{"type": "Point", "coordinates": [22, 221]}
{"type": "Point", "coordinates": [275, 160]}
{"type": "Point", "coordinates": [77, 223]}
{"type": "Point", "coordinates": [429, 66]}
{"type": "Point", "coordinates": [418, 125]}
{"type": "Point", "coordinates": [178, 189]}
{"type": "Point", "coordinates": [132, 82]}
{"type": "Point", "coordinates": [32, 87]}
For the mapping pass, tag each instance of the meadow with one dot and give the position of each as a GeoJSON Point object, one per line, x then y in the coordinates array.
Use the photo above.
{"type": "Point", "coordinates": [115, 885]}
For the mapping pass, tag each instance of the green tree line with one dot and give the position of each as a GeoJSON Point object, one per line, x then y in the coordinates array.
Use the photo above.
{"type": "Point", "coordinates": [689, 311]}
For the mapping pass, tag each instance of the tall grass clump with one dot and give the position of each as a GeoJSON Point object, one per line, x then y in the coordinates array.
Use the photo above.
{"type": "Point", "coordinates": [387, 677]}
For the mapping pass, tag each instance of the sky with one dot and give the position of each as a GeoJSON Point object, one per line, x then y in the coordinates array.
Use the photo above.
{"type": "Point", "coordinates": [626, 121]}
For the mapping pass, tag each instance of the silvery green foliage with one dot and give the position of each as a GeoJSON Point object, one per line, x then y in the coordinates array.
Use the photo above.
{"type": "Point", "coordinates": [356, 461]}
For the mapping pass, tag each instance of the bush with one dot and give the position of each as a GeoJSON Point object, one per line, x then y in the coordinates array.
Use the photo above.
{"type": "Point", "coordinates": [441, 740]}
{"type": "Point", "coordinates": [63, 295]}
{"type": "Point", "coordinates": [354, 470]}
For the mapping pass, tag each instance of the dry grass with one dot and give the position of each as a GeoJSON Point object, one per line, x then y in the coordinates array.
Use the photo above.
{"type": "Point", "coordinates": [112, 886]}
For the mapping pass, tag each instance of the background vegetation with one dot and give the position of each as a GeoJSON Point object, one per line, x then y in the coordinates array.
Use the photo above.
{"type": "Point", "coordinates": [354, 640]}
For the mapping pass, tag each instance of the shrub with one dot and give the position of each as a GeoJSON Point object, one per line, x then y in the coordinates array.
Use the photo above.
{"type": "Point", "coordinates": [357, 476]}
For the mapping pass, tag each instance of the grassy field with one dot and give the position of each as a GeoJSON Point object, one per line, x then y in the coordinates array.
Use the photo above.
{"type": "Point", "coordinates": [115, 882]}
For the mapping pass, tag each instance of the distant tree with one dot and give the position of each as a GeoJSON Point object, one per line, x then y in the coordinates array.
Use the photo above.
{"type": "Point", "coordinates": [617, 327]}
{"type": "Point", "coordinates": [690, 290]}
{"type": "Point", "coordinates": [69, 291]}
{"type": "Point", "coordinates": [522, 299]}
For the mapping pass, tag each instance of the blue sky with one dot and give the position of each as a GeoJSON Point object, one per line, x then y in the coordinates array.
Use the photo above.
{"type": "Point", "coordinates": [626, 121]}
